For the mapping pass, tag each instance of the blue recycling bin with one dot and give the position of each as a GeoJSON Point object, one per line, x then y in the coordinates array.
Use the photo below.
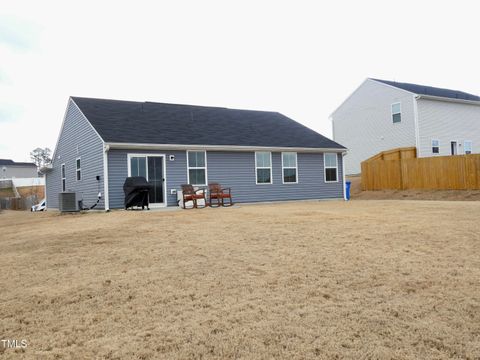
{"type": "Point", "coordinates": [347, 190]}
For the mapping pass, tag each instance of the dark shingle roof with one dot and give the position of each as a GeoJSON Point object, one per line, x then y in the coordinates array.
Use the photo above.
{"type": "Point", "coordinates": [5, 162]}
{"type": "Point", "coordinates": [159, 123]}
{"type": "Point", "coordinates": [432, 91]}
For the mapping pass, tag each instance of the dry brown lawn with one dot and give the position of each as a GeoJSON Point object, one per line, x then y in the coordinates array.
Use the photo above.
{"type": "Point", "coordinates": [357, 280]}
{"type": "Point", "coordinates": [442, 195]}
{"type": "Point", "coordinates": [26, 191]}
{"type": "Point", "coordinates": [5, 193]}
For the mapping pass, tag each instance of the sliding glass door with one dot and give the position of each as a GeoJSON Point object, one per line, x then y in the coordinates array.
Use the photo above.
{"type": "Point", "coordinates": [155, 177]}
{"type": "Point", "coordinates": [152, 168]}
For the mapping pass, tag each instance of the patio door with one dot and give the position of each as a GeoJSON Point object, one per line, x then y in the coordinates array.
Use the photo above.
{"type": "Point", "coordinates": [152, 168]}
{"type": "Point", "coordinates": [453, 147]}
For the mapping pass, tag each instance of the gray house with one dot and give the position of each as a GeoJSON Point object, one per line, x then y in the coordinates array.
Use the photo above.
{"type": "Point", "coordinates": [262, 156]}
{"type": "Point", "coordinates": [10, 169]}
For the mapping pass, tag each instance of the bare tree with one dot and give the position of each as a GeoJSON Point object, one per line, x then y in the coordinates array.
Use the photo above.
{"type": "Point", "coordinates": [41, 157]}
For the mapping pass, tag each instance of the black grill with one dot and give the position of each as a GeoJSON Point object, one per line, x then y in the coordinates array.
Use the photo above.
{"type": "Point", "coordinates": [136, 190]}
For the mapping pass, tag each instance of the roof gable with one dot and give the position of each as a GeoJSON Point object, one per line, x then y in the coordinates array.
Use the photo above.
{"type": "Point", "coordinates": [159, 123]}
{"type": "Point", "coordinates": [431, 91]}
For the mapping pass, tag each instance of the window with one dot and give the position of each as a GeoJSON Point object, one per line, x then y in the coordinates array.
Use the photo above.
{"type": "Point", "coordinates": [435, 147]}
{"type": "Point", "coordinates": [289, 167]}
{"type": "Point", "coordinates": [263, 167]}
{"type": "Point", "coordinates": [79, 170]}
{"type": "Point", "coordinates": [467, 147]}
{"type": "Point", "coordinates": [138, 166]}
{"type": "Point", "coordinates": [64, 184]}
{"type": "Point", "coordinates": [197, 168]}
{"type": "Point", "coordinates": [396, 113]}
{"type": "Point", "coordinates": [331, 167]}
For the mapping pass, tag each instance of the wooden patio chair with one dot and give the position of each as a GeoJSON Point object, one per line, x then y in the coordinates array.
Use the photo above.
{"type": "Point", "coordinates": [190, 194]}
{"type": "Point", "coordinates": [219, 194]}
{"type": "Point", "coordinates": [215, 193]}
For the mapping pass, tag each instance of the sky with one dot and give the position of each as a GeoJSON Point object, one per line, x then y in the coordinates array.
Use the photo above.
{"type": "Point", "coordinates": [300, 58]}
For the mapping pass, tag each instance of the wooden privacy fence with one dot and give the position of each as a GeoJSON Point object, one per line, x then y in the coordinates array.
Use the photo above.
{"type": "Point", "coordinates": [459, 172]}
{"type": "Point", "coordinates": [18, 203]}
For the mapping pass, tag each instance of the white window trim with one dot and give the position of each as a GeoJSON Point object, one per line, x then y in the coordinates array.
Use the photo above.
{"type": "Point", "coordinates": [325, 167]}
{"type": "Point", "coordinates": [431, 147]}
{"type": "Point", "coordinates": [263, 167]}
{"type": "Point", "coordinates": [290, 167]}
{"type": "Point", "coordinates": [63, 176]}
{"type": "Point", "coordinates": [471, 146]}
{"type": "Point", "coordinates": [146, 156]}
{"type": "Point", "coordinates": [197, 168]}
{"type": "Point", "coordinates": [392, 113]}
{"type": "Point", "coordinates": [78, 170]}
{"type": "Point", "coordinates": [129, 162]}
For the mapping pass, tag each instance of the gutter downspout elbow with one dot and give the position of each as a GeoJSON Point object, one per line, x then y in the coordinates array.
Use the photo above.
{"type": "Point", "coordinates": [106, 200]}
{"type": "Point", "coordinates": [343, 176]}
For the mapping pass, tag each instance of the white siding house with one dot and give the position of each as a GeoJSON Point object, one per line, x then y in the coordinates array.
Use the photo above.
{"type": "Point", "coordinates": [381, 115]}
{"type": "Point", "coordinates": [10, 169]}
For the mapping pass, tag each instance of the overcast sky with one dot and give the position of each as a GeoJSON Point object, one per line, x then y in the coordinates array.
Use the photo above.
{"type": "Point", "coordinates": [301, 58]}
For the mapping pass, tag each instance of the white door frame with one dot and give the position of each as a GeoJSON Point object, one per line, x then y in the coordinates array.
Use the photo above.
{"type": "Point", "coordinates": [456, 147]}
{"type": "Point", "coordinates": [130, 155]}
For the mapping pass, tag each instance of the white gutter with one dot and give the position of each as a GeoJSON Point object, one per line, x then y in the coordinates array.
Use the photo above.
{"type": "Point", "coordinates": [343, 176]}
{"type": "Point", "coordinates": [140, 146]}
{"type": "Point", "coordinates": [106, 199]}
{"type": "Point", "coordinates": [417, 128]}
{"type": "Point", "coordinates": [439, 98]}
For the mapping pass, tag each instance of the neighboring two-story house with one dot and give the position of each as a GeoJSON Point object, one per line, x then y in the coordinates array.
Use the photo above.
{"type": "Point", "coordinates": [381, 115]}
{"type": "Point", "coordinates": [10, 169]}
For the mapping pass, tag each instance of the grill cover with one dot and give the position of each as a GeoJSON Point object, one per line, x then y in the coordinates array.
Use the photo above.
{"type": "Point", "coordinates": [136, 190]}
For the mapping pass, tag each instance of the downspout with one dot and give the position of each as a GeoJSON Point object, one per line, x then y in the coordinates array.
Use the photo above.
{"type": "Point", "coordinates": [106, 148]}
{"type": "Point", "coordinates": [415, 118]}
{"type": "Point", "coordinates": [343, 176]}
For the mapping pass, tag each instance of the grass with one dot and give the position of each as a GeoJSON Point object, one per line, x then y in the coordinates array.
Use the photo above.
{"type": "Point", "coordinates": [358, 280]}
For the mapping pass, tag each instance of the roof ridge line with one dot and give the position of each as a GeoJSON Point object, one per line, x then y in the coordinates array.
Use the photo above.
{"type": "Point", "coordinates": [171, 104]}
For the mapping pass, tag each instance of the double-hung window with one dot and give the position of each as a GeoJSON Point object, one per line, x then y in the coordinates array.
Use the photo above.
{"type": "Point", "coordinates": [467, 147]}
{"type": "Point", "coordinates": [331, 167]}
{"type": "Point", "coordinates": [289, 167]}
{"type": "Point", "coordinates": [79, 169]}
{"type": "Point", "coordinates": [263, 167]}
{"type": "Point", "coordinates": [435, 146]}
{"type": "Point", "coordinates": [396, 113]}
{"type": "Point", "coordinates": [64, 177]}
{"type": "Point", "coordinates": [197, 167]}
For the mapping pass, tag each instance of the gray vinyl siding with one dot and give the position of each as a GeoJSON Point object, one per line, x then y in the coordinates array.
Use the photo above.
{"type": "Point", "coordinates": [77, 139]}
{"type": "Point", "coordinates": [447, 121]}
{"type": "Point", "coordinates": [118, 172]}
{"type": "Point", "coordinates": [235, 170]}
{"type": "Point", "coordinates": [363, 123]}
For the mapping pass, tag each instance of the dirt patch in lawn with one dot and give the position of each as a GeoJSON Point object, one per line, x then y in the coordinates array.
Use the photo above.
{"type": "Point", "coordinates": [26, 191]}
{"type": "Point", "coordinates": [439, 195]}
{"type": "Point", "coordinates": [6, 193]}
{"type": "Point", "coordinates": [359, 279]}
